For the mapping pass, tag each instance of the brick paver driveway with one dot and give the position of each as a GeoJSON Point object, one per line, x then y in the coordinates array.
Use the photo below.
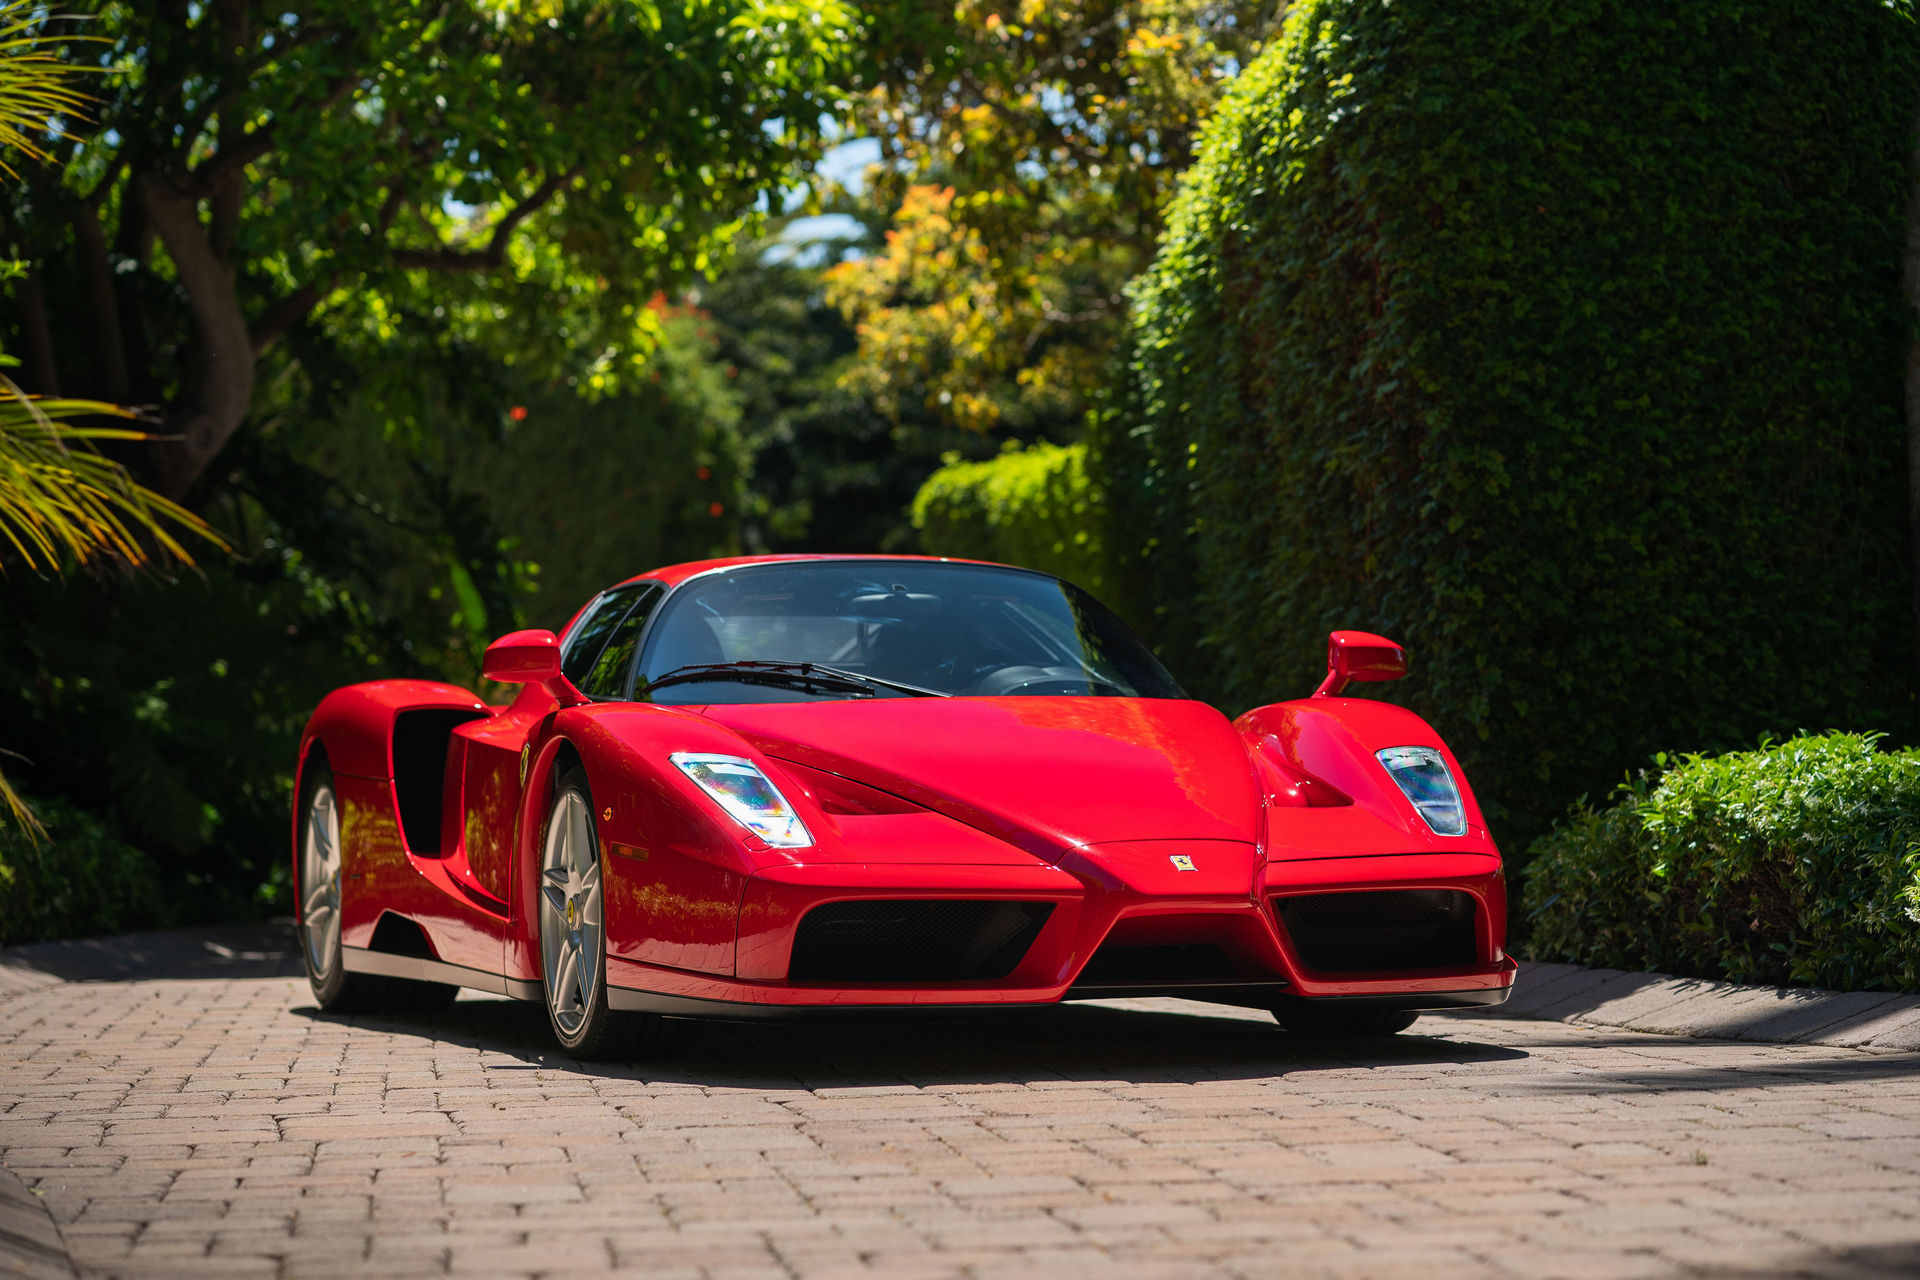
{"type": "Point", "coordinates": [221, 1126]}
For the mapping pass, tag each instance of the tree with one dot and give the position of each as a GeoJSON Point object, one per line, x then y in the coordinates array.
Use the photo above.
{"type": "Point", "coordinates": [61, 502]}
{"type": "Point", "coordinates": [1026, 162]}
{"type": "Point", "coordinates": [532, 171]}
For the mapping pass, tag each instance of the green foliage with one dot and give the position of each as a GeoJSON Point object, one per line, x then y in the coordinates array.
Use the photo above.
{"type": "Point", "coordinates": [527, 174]}
{"type": "Point", "coordinates": [827, 468]}
{"type": "Point", "coordinates": [76, 881]}
{"type": "Point", "coordinates": [1563, 343]}
{"type": "Point", "coordinates": [169, 711]}
{"type": "Point", "coordinates": [1796, 863]}
{"type": "Point", "coordinates": [1031, 148]}
{"type": "Point", "coordinates": [1032, 507]}
{"type": "Point", "coordinates": [483, 499]}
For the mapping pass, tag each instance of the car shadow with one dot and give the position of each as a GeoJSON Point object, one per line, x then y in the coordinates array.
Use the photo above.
{"type": "Point", "coordinates": [1863, 1262]}
{"type": "Point", "coordinates": [268, 950]}
{"type": "Point", "coordinates": [1072, 1042]}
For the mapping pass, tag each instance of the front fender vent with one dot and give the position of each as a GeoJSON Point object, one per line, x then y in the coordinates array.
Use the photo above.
{"type": "Point", "coordinates": [1382, 929]}
{"type": "Point", "coordinates": [914, 940]}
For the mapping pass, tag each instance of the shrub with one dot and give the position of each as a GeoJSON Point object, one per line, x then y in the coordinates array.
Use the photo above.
{"type": "Point", "coordinates": [1795, 863]}
{"type": "Point", "coordinates": [1032, 507]}
{"type": "Point", "coordinates": [1563, 343]}
{"type": "Point", "coordinates": [77, 882]}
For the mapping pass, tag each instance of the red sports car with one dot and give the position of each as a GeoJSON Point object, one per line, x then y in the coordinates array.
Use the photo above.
{"type": "Point", "coordinates": [755, 785]}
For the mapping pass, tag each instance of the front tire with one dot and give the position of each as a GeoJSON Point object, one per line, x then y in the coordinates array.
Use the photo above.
{"type": "Point", "coordinates": [320, 896]}
{"type": "Point", "coordinates": [572, 933]}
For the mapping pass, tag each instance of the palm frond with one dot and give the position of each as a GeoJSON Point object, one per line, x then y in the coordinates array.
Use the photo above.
{"type": "Point", "coordinates": [59, 497]}
{"type": "Point", "coordinates": [37, 88]}
{"type": "Point", "coordinates": [16, 807]}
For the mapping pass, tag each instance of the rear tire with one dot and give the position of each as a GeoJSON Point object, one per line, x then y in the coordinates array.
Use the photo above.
{"type": "Point", "coordinates": [572, 935]}
{"type": "Point", "coordinates": [319, 893]}
{"type": "Point", "coordinates": [1312, 1018]}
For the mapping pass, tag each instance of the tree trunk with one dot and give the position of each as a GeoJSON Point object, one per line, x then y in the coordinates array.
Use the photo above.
{"type": "Point", "coordinates": [1910, 279]}
{"type": "Point", "coordinates": [223, 391]}
{"type": "Point", "coordinates": [110, 351]}
{"type": "Point", "coordinates": [37, 365]}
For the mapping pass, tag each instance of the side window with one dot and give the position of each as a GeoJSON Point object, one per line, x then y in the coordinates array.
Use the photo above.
{"type": "Point", "coordinates": [608, 679]}
{"type": "Point", "coordinates": [590, 637]}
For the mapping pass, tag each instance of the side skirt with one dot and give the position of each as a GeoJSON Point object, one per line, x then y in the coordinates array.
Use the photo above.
{"type": "Point", "coordinates": [420, 969]}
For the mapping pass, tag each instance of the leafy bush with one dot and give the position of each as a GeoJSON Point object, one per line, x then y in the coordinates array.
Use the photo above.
{"type": "Point", "coordinates": [1795, 863]}
{"type": "Point", "coordinates": [1563, 343]}
{"type": "Point", "coordinates": [76, 882]}
{"type": "Point", "coordinates": [1032, 507]}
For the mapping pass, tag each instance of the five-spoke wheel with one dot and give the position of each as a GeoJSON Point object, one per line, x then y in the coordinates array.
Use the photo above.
{"type": "Point", "coordinates": [320, 878]}
{"type": "Point", "coordinates": [573, 942]}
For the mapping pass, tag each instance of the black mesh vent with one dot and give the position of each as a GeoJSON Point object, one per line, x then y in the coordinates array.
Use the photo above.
{"type": "Point", "coordinates": [938, 940]}
{"type": "Point", "coordinates": [1391, 929]}
{"type": "Point", "coordinates": [1185, 962]}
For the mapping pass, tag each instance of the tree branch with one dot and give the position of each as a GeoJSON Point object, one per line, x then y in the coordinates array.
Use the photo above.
{"type": "Point", "coordinates": [206, 177]}
{"type": "Point", "coordinates": [279, 319]}
{"type": "Point", "coordinates": [495, 251]}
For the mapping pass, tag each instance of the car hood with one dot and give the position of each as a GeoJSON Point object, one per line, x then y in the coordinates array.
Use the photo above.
{"type": "Point", "coordinates": [1047, 775]}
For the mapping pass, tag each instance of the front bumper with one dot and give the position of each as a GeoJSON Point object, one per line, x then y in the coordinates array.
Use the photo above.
{"type": "Point", "coordinates": [1123, 920]}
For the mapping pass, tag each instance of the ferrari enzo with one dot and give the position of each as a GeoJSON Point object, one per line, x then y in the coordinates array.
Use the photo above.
{"type": "Point", "coordinates": [760, 785]}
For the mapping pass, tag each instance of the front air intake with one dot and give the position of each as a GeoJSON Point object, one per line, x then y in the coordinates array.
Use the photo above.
{"type": "Point", "coordinates": [914, 940]}
{"type": "Point", "coordinates": [1381, 930]}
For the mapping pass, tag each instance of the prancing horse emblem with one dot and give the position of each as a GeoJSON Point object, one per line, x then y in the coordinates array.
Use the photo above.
{"type": "Point", "coordinates": [1181, 862]}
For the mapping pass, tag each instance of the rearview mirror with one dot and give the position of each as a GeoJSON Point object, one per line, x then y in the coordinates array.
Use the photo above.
{"type": "Point", "coordinates": [530, 657]}
{"type": "Point", "coordinates": [1360, 656]}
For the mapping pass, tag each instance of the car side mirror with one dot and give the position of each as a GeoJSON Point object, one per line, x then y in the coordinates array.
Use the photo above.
{"type": "Point", "coordinates": [530, 657]}
{"type": "Point", "coordinates": [1360, 656]}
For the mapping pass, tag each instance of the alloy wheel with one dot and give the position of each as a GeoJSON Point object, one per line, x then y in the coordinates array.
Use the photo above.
{"type": "Point", "coordinates": [320, 881]}
{"type": "Point", "coordinates": [571, 946]}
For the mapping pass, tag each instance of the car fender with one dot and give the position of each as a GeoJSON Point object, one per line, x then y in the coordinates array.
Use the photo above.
{"type": "Point", "coordinates": [674, 865]}
{"type": "Point", "coordinates": [355, 723]}
{"type": "Point", "coordinates": [1333, 741]}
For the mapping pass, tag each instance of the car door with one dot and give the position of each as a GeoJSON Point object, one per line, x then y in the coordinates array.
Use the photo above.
{"type": "Point", "coordinates": [595, 657]}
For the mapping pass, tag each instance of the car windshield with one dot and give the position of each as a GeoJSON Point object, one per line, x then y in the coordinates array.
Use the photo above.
{"type": "Point", "coordinates": [838, 629]}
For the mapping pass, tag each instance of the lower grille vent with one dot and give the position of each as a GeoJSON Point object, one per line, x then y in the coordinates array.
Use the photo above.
{"type": "Point", "coordinates": [1390, 929]}
{"type": "Point", "coordinates": [1181, 963]}
{"type": "Point", "coordinates": [907, 940]}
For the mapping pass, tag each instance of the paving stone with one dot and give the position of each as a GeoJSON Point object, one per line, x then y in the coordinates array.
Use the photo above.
{"type": "Point", "coordinates": [197, 1125]}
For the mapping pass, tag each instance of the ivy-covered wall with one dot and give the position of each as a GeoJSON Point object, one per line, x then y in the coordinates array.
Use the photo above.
{"type": "Point", "coordinates": [1562, 342]}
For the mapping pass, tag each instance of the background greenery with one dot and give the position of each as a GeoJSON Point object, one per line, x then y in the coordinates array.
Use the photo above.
{"type": "Point", "coordinates": [1562, 343]}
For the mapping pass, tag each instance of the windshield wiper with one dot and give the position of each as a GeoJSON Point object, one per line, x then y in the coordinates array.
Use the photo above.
{"type": "Point", "coordinates": [754, 671]}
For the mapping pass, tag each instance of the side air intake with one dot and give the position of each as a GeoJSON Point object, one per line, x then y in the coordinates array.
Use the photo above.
{"type": "Point", "coordinates": [1381, 930]}
{"type": "Point", "coordinates": [911, 940]}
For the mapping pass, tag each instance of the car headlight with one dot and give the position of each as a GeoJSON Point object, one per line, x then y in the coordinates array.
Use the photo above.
{"type": "Point", "coordinates": [1425, 779]}
{"type": "Point", "coordinates": [748, 796]}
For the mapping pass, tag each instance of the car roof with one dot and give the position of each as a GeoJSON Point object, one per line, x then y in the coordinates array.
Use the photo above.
{"type": "Point", "coordinates": [674, 574]}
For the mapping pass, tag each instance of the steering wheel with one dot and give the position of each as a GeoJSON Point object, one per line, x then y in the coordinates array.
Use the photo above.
{"type": "Point", "coordinates": [1033, 680]}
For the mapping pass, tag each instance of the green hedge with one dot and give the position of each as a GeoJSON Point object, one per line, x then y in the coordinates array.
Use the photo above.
{"type": "Point", "coordinates": [1795, 863]}
{"type": "Point", "coordinates": [76, 882]}
{"type": "Point", "coordinates": [1032, 507]}
{"type": "Point", "coordinates": [1562, 342]}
